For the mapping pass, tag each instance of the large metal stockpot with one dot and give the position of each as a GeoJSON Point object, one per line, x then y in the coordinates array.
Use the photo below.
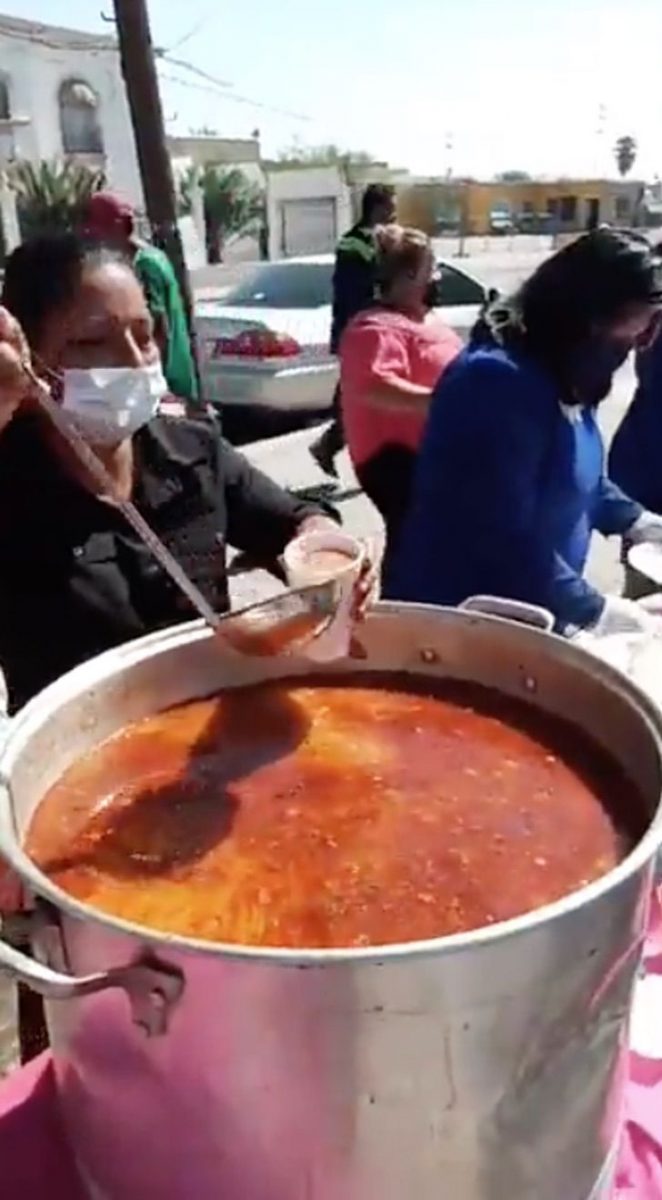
{"type": "Point", "coordinates": [486, 1066]}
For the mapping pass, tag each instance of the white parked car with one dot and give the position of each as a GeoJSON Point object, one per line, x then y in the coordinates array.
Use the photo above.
{"type": "Point", "coordinates": [265, 344]}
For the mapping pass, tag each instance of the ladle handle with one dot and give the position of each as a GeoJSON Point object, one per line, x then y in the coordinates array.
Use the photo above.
{"type": "Point", "coordinates": [510, 610]}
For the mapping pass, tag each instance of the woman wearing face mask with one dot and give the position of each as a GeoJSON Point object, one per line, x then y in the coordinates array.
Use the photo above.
{"type": "Point", "coordinates": [391, 357]}
{"type": "Point", "coordinates": [511, 481]}
{"type": "Point", "coordinates": [74, 578]}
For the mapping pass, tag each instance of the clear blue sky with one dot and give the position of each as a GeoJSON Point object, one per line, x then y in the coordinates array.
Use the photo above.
{"type": "Point", "coordinates": [508, 83]}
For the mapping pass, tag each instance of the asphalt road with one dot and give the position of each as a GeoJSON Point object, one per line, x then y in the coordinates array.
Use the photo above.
{"type": "Point", "coordinates": [497, 262]}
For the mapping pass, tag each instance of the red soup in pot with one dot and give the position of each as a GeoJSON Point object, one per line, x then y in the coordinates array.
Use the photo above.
{"type": "Point", "coordinates": [323, 813]}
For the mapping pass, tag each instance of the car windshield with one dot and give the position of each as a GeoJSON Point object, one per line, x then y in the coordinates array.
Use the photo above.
{"type": "Point", "coordinates": [284, 285]}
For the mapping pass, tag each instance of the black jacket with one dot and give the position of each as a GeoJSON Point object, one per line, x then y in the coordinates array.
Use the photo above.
{"type": "Point", "coordinates": [354, 279]}
{"type": "Point", "coordinates": [74, 578]}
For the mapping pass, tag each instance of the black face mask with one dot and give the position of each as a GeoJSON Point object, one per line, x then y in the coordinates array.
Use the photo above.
{"type": "Point", "coordinates": [432, 293]}
{"type": "Point", "coordinates": [592, 367]}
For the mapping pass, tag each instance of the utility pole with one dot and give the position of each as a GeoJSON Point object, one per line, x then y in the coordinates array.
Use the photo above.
{"type": "Point", "coordinates": [142, 87]}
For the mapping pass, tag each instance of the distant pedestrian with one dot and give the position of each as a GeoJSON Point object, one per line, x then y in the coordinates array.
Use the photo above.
{"type": "Point", "coordinates": [391, 357]}
{"type": "Point", "coordinates": [111, 220]}
{"type": "Point", "coordinates": [354, 288]}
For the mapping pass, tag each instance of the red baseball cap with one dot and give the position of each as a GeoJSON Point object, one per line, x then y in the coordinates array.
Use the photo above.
{"type": "Point", "coordinates": [105, 211]}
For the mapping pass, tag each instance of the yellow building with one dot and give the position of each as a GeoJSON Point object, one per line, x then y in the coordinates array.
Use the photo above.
{"type": "Point", "coordinates": [480, 208]}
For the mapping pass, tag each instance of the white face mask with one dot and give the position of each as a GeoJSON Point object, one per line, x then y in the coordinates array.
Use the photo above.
{"type": "Point", "coordinates": [109, 404]}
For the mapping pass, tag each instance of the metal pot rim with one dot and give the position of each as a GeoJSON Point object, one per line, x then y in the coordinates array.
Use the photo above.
{"type": "Point", "coordinates": [96, 669]}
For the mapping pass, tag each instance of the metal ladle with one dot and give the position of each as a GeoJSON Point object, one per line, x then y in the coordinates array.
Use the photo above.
{"type": "Point", "coordinates": [279, 625]}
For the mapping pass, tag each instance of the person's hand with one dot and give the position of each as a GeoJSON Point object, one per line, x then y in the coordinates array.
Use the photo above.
{"type": "Point", "coordinates": [366, 588]}
{"type": "Point", "coordinates": [15, 384]}
{"type": "Point", "coordinates": [622, 616]}
{"type": "Point", "coordinates": [622, 625]}
{"type": "Point", "coordinates": [627, 637]}
{"type": "Point", "coordinates": [647, 528]}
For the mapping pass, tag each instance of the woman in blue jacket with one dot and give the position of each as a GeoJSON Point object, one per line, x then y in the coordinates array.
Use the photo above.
{"type": "Point", "coordinates": [635, 459]}
{"type": "Point", "coordinates": [510, 482]}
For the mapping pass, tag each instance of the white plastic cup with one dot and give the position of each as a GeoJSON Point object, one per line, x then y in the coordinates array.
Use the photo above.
{"type": "Point", "coordinates": [302, 570]}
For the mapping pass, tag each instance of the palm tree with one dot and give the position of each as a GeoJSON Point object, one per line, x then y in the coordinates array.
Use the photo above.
{"type": "Point", "coordinates": [625, 152]}
{"type": "Point", "coordinates": [234, 205]}
{"type": "Point", "coordinates": [51, 196]}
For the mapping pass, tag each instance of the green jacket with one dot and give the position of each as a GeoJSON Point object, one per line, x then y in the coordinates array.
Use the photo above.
{"type": "Point", "coordinates": [164, 299]}
{"type": "Point", "coordinates": [354, 278]}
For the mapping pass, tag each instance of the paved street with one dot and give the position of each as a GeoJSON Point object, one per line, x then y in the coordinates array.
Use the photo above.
{"type": "Point", "coordinates": [497, 262]}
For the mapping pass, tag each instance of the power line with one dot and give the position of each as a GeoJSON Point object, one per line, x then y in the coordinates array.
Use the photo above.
{"type": "Point", "coordinates": [223, 83]}
{"type": "Point", "coordinates": [104, 42]}
{"type": "Point", "coordinates": [234, 96]}
{"type": "Point", "coordinates": [194, 31]}
{"type": "Point", "coordinates": [165, 56]}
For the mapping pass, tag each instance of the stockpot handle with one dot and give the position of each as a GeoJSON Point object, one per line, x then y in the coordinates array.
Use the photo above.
{"type": "Point", "coordinates": [152, 988]}
{"type": "Point", "coordinates": [510, 610]}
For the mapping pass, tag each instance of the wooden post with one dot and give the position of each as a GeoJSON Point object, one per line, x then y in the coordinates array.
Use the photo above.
{"type": "Point", "coordinates": [142, 87]}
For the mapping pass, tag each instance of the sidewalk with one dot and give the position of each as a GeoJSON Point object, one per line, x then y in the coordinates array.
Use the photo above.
{"type": "Point", "coordinates": [287, 460]}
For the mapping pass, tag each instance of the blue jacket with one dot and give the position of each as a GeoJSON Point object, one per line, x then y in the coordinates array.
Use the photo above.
{"type": "Point", "coordinates": [508, 488]}
{"type": "Point", "coordinates": [635, 460]}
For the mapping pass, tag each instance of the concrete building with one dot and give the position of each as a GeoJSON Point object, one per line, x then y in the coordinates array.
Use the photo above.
{"type": "Point", "coordinates": [68, 88]}
{"type": "Point", "coordinates": [482, 207]}
{"type": "Point", "coordinates": [309, 207]}
{"type": "Point", "coordinates": [306, 209]}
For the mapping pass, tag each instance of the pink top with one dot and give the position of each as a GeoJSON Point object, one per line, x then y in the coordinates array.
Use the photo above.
{"type": "Point", "coordinates": [383, 342]}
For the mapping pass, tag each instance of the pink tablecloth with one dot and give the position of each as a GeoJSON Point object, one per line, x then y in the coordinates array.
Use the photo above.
{"type": "Point", "coordinates": [35, 1162]}
{"type": "Point", "coordinates": [640, 1168]}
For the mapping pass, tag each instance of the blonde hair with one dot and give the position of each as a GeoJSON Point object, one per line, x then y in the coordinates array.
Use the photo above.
{"type": "Point", "coordinates": [400, 250]}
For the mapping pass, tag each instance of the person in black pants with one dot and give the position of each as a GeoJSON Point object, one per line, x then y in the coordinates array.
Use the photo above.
{"type": "Point", "coordinates": [354, 288]}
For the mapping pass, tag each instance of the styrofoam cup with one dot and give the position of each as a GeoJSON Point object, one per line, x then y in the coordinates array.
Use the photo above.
{"type": "Point", "coordinates": [301, 571]}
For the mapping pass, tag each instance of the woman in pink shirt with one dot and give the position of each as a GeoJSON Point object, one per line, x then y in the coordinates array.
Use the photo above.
{"type": "Point", "coordinates": [391, 358]}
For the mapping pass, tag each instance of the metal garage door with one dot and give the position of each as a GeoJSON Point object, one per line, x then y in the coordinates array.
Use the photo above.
{"type": "Point", "coordinates": [308, 226]}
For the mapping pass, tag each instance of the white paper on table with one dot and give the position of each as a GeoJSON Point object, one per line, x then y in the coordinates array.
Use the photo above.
{"type": "Point", "coordinates": [646, 1018]}
{"type": "Point", "coordinates": [646, 558]}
